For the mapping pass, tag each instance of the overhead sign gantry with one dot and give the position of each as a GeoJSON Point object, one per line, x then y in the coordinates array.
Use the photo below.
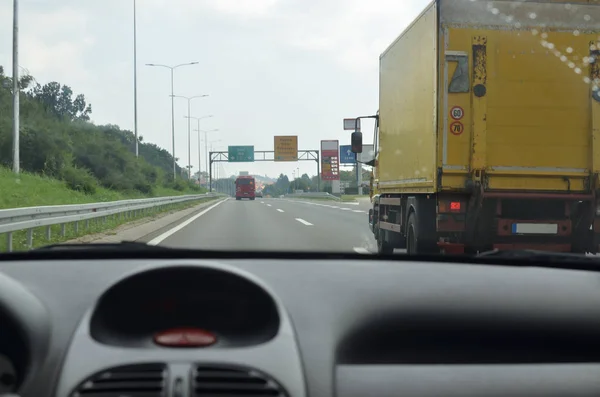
{"type": "Point", "coordinates": [247, 154]}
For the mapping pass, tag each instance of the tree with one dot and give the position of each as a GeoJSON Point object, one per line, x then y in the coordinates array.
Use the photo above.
{"type": "Point", "coordinates": [58, 100]}
{"type": "Point", "coordinates": [57, 140]}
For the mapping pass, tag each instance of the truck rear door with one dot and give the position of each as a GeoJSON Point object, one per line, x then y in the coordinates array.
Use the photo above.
{"type": "Point", "coordinates": [529, 120]}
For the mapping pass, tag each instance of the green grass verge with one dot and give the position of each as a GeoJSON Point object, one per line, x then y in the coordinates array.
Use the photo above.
{"type": "Point", "coordinates": [29, 190]}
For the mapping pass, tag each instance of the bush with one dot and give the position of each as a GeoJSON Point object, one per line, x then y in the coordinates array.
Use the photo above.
{"type": "Point", "coordinates": [57, 140]}
{"type": "Point", "coordinates": [79, 179]}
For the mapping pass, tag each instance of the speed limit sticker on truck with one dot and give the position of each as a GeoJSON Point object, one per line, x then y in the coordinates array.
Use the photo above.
{"type": "Point", "coordinates": [457, 128]}
{"type": "Point", "coordinates": [457, 113]}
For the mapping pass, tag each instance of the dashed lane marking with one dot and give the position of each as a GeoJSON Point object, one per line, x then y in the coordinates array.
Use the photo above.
{"type": "Point", "coordinates": [304, 222]}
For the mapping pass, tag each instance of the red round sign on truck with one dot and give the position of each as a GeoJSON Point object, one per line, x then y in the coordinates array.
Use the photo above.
{"type": "Point", "coordinates": [457, 113]}
{"type": "Point", "coordinates": [457, 128]}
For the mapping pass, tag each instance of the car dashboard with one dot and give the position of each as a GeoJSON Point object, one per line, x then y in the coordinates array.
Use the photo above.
{"type": "Point", "coordinates": [345, 327]}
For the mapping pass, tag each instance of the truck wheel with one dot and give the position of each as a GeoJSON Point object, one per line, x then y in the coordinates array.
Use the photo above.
{"type": "Point", "coordinates": [415, 246]}
{"type": "Point", "coordinates": [383, 246]}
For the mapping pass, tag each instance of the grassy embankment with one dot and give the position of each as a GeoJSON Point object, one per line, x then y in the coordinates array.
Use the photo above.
{"type": "Point", "coordinates": [28, 190]}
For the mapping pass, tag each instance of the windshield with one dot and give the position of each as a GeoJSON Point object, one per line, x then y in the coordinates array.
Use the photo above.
{"type": "Point", "coordinates": [409, 127]}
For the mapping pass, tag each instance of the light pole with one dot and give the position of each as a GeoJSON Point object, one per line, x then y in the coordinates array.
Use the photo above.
{"type": "Point", "coordinates": [206, 146]}
{"type": "Point", "coordinates": [172, 68]}
{"type": "Point", "coordinates": [189, 100]}
{"type": "Point", "coordinates": [135, 115]}
{"type": "Point", "coordinates": [199, 146]}
{"type": "Point", "coordinates": [16, 91]}
{"type": "Point", "coordinates": [217, 168]}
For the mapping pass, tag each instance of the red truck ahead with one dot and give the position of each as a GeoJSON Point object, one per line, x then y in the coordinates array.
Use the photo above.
{"type": "Point", "coordinates": [245, 187]}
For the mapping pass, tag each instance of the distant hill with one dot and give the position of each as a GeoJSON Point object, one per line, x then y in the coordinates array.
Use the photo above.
{"type": "Point", "coordinates": [265, 180]}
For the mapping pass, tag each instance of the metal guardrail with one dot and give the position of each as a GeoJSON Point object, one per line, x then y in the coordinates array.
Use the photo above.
{"type": "Point", "coordinates": [29, 218]}
{"type": "Point", "coordinates": [320, 195]}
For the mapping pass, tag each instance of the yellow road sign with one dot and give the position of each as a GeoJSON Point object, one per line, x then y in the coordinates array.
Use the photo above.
{"type": "Point", "coordinates": [286, 148]}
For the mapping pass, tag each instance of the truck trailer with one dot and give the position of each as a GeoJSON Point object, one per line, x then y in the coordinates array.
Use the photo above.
{"type": "Point", "coordinates": [488, 129]}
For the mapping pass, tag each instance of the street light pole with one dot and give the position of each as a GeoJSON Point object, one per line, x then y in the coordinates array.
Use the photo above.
{"type": "Point", "coordinates": [173, 126]}
{"type": "Point", "coordinates": [189, 143]}
{"type": "Point", "coordinates": [135, 109]}
{"type": "Point", "coordinates": [206, 145]}
{"type": "Point", "coordinates": [172, 68]}
{"type": "Point", "coordinates": [199, 144]}
{"type": "Point", "coordinates": [189, 117]}
{"type": "Point", "coordinates": [16, 91]}
{"type": "Point", "coordinates": [199, 150]}
{"type": "Point", "coordinates": [218, 165]}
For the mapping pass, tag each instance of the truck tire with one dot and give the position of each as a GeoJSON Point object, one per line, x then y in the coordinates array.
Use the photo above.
{"type": "Point", "coordinates": [414, 244]}
{"type": "Point", "coordinates": [384, 247]}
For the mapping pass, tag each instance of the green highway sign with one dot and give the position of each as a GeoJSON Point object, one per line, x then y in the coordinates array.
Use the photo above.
{"type": "Point", "coordinates": [241, 154]}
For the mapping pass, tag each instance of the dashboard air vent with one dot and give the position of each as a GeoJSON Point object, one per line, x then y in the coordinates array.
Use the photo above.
{"type": "Point", "coordinates": [221, 381]}
{"type": "Point", "coordinates": [143, 380]}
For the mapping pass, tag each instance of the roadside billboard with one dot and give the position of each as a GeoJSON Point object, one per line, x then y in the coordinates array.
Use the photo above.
{"type": "Point", "coordinates": [330, 160]}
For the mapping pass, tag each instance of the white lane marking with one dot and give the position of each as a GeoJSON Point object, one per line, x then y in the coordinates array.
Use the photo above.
{"type": "Point", "coordinates": [361, 250]}
{"type": "Point", "coordinates": [280, 210]}
{"type": "Point", "coordinates": [269, 205]}
{"type": "Point", "coordinates": [304, 222]}
{"type": "Point", "coordinates": [168, 233]}
{"type": "Point", "coordinates": [331, 206]}
{"type": "Point", "coordinates": [262, 202]}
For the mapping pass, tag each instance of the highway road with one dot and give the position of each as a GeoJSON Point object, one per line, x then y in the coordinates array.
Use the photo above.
{"type": "Point", "coordinates": [275, 225]}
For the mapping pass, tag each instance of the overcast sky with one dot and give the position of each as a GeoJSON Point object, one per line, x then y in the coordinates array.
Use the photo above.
{"type": "Point", "coordinates": [271, 67]}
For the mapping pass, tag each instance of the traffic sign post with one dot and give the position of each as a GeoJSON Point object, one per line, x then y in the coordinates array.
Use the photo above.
{"type": "Point", "coordinates": [241, 154]}
{"type": "Point", "coordinates": [346, 155]}
{"type": "Point", "coordinates": [352, 124]}
{"type": "Point", "coordinates": [367, 155]}
{"type": "Point", "coordinates": [286, 148]}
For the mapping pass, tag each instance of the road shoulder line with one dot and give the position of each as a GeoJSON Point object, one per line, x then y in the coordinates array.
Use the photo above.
{"type": "Point", "coordinates": [170, 232]}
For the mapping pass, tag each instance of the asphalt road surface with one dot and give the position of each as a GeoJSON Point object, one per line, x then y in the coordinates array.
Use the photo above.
{"type": "Point", "coordinates": [276, 225]}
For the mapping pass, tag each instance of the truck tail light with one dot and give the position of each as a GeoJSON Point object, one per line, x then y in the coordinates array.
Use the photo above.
{"type": "Point", "coordinates": [450, 206]}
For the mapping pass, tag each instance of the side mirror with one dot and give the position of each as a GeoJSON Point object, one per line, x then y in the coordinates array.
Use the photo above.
{"type": "Point", "coordinates": [357, 142]}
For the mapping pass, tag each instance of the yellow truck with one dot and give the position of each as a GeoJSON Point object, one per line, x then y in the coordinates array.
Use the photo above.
{"type": "Point", "coordinates": [488, 130]}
